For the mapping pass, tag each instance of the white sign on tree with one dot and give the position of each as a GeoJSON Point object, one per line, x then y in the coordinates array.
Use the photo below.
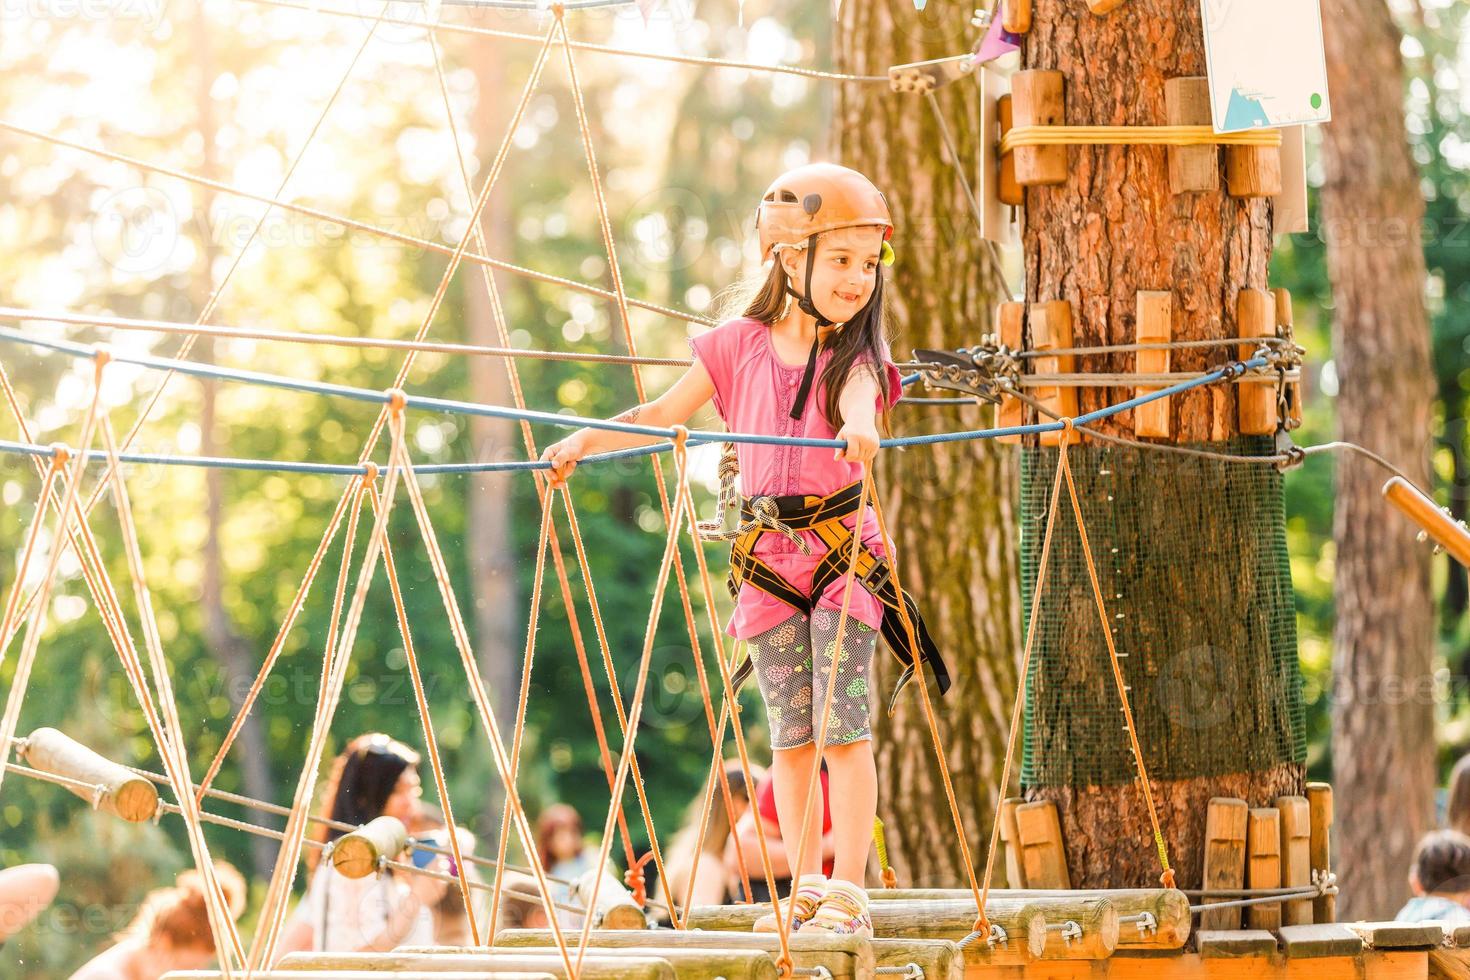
{"type": "Point", "coordinates": [1266, 63]}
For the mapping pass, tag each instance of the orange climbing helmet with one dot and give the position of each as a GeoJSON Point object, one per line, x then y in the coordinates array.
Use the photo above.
{"type": "Point", "coordinates": [818, 197]}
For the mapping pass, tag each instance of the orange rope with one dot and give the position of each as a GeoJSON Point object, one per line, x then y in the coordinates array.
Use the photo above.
{"type": "Point", "coordinates": [982, 921]}
{"type": "Point", "coordinates": [431, 743]}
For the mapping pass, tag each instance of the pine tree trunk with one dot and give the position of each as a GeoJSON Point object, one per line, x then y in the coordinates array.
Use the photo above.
{"type": "Point", "coordinates": [1383, 711]}
{"type": "Point", "coordinates": [234, 656]}
{"type": "Point", "coordinates": [489, 547]}
{"type": "Point", "coordinates": [1191, 557]}
{"type": "Point", "coordinates": [949, 507]}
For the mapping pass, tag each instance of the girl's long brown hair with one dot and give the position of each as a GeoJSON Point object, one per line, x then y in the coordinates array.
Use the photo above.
{"type": "Point", "coordinates": [764, 297]}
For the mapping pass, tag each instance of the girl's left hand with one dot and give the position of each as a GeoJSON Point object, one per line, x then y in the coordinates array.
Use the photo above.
{"type": "Point", "coordinates": [862, 443]}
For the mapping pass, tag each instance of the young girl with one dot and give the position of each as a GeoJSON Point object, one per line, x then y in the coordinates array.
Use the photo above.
{"type": "Point", "coordinates": [818, 368]}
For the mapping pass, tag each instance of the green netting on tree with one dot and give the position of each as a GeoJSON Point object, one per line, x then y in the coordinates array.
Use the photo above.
{"type": "Point", "coordinates": [1191, 557]}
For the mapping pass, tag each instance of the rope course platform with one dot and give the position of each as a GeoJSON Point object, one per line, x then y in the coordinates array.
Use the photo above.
{"type": "Point", "coordinates": [1245, 924]}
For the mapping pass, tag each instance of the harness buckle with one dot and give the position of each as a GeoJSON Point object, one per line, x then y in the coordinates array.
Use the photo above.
{"type": "Point", "coordinates": [877, 576]}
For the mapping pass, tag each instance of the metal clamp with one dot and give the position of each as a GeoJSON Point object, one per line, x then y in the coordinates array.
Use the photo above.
{"type": "Point", "coordinates": [926, 76]}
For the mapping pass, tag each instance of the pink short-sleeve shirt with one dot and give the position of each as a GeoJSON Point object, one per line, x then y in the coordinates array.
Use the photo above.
{"type": "Point", "coordinates": [754, 392]}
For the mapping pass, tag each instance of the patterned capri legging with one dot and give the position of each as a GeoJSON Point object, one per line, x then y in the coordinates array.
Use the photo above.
{"type": "Point", "coordinates": [793, 691]}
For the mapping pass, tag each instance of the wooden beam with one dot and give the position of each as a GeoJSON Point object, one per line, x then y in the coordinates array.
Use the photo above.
{"type": "Point", "coordinates": [1153, 324]}
{"type": "Point", "coordinates": [1263, 864]}
{"type": "Point", "coordinates": [1038, 828]}
{"type": "Point", "coordinates": [654, 962]}
{"type": "Point", "coordinates": [1253, 171]}
{"type": "Point", "coordinates": [1327, 939]}
{"type": "Point", "coordinates": [615, 906]}
{"type": "Point", "coordinates": [121, 792]}
{"type": "Point", "coordinates": [1037, 100]}
{"type": "Point", "coordinates": [1255, 316]}
{"type": "Point", "coordinates": [360, 852]}
{"type": "Point", "coordinates": [1051, 329]}
{"type": "Point", "coordinates": [1422, 510]}
{"type": "Point", "coordinates": [1234, 943]}
{"type": "Point", "coordinates": [1008, 189]}
{"type": "Point", "coordinates": [1191, 168]}
{"type": "Point", "coordinates": [842, 956]}
{"type": "Point", "coordinates": [1009, 319]}
{"type": "Point", "coordinates": [1319, 802]}
{"type": "Point", "coordinates": [1225, 833]}
{"type": "Point", "coordinates": [1017, 17]}
{"type": "Point", "coordinates": [1296, 856]}
{"type": "Point", "coordinates": [1285, 328]}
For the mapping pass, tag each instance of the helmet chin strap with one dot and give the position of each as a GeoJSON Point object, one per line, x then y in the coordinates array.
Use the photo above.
{"type": "Point", "coordinates": [809, 375]}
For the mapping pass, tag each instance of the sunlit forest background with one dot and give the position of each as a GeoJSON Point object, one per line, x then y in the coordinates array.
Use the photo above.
{"type": "Point", "coordinates": [232, 90]}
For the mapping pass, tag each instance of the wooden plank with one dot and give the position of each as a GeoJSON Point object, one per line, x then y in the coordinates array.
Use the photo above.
{"type": "Point", "coordinates": [1253, 171]}
{"type": "Point", "coordinates": [940, 959]}
{"type": "Point", "coordinates": [682, 964]}
{"type": "Point", "coordinates": [842, 956]}
{"type": "Point", "coordinates": [1449, 963]}
{"type": "Point", "coordinates": [1043, 858]}
{"type": "Point", "coordinates": [1153, 324]}
{"type": "Point", "coordinates": [1263, 864]}
{"type": "Point", "coordinates": [1009, 321]}
{"type": "Point", "coordinates": [1037, 100]}
{"type": "Point", "coordinates": [1051, 328]}
{"type": "Point", "coordinates": [1398, 935]}
{"type": "Point", "coordinates": [1255, 316]}
{"type": "Point", "coordinates": [1285, 328]}
{"type": "Point", "coordinates": [1010, 833]}
{"type": "Point", "coordinates": [1289, 206]}
{"type": "Point", "coordinates": [1191, 168]}
{"type": "Point", "coordinates": [1234, 943]}
{"type": "Point", "coordinates": [1296, 860]}
{"type": "Point", "coordinates": [1225, 830]}
{"type": "Point", "coordinates": [125, 794]}
{"type": "Point", "coordinates": [999, 192]}
{"type": "Point", "coordinates": [1323, 939]}
{"type": "Point", "coordinates": [358, 854]}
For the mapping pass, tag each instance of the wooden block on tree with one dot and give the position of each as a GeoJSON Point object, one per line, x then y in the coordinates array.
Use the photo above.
{"type": "Point", "coordinates": [1285, 325]}
{"type": "Point", "coordinates": [1253, 171]}
{"type": "Point", "coordinates": [1017, 17]}
{"type": "Point", "coordinates": [1007, 189]}
{"type": "Point", "coordinates": [1326, 939]}
{"type": "Point", "coordinates": [1319, 803]}
{"type": "Point", "coordinates": [1289, 207]}
{"type": "Point", "coordinates": [123, 793]}
{"type": "Point", "coordinates": [1296, 856]}
{"type": "Point", "coordinates": [1153, 324]}
{"type": "Point", "coordinates": [1043, 858]}
{"type": "Point", "coordinates": [1191, 168]}
{"type": "Point", "coordinates": [1051, 329]}
{"type": "Point", "coordinates": [1255, 316]}
{"type": "Point", "coordinates": [1037, 100]}
{"type": "Point", "coordinates": [1398, 935]}
{"type": "Point", "coordinates": [1009, 319]}
{"type": "Point", "coordinates": [1232, 943]}
{"type": "Point", "coordinates": [1263, 864]}
{"type": "Point", "coordinates": [1010, 834]}
{"type": "Point", "coordinates": [1225, 832]}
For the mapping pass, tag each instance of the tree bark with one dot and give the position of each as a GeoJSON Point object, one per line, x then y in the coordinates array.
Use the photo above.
{"type": "Point", "coordinates": [227, 647]}
{"type": "Point", "coordinates": [1196, 593]}
{"type": "Point", "coordinates": [1383, 711]}
{"type": "Point", "coordinates": [949, 507]}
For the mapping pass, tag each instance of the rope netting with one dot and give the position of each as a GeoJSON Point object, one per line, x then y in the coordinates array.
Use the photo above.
{"type": "Point", "coordinates": [1210, 661]}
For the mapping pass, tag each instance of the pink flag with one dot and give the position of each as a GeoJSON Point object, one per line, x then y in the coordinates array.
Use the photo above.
{"type": "Point", "coordinates": [996, 42]}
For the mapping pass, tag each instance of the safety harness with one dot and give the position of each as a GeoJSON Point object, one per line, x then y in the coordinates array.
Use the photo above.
{"type": "Point", "coordinates": [788, 515]}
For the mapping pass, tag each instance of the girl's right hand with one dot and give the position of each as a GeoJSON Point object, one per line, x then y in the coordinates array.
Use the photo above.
{"type": "Point", "coordinates": [564, 455]}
